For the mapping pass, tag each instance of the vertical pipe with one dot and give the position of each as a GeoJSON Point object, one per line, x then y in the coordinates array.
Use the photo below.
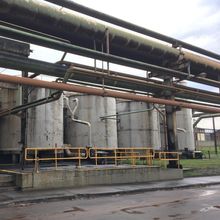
{"type": "Point", "coordinates": [23, 140]}
{"type": "Point", "coordinates": [214, 132]}
{"type": "Point", "coordinates": [171, 127]}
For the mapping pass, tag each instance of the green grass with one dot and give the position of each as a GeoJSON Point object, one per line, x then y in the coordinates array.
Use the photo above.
{"type": "Point", "coordinates": [196, 167]}
{"type": "Point", "coordinates": [201, 163]}
{"type": "Point", "coordinates": [203, 167]}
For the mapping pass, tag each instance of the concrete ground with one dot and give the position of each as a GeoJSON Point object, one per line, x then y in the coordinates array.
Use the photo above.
{"type": "Point", "coordinates": [192, 203]}
{"type": "Point", "coordinates": [9, 195]}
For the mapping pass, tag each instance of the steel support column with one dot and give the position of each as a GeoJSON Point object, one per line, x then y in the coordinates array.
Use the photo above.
{"type": "Point", "coordinates": [171, 126]}
{"type": "Point", "coordinates": [24, 100]}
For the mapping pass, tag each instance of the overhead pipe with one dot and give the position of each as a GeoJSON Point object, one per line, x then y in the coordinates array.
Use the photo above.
{"type": "Point", "coordinates": [53, 97]}
{"type": "Point", "coordinates": [70, 48]}
{"type": "Point", "coordinates": [126, 113]}
{"type": "Point", "coordinates": [203, 117]}
{"type": "Point", "coordinates": [72, 111]}
{"type": "Point", "coordinates": [15, 110]}
{"type": "Point", "coordinates": [130, 26]}
{"type": "Point", "coordinates": [62, 46]}
{"type": "Point", "coordinates": [141, 83]}
{"type": "Point", "coordinates": [89, 74]}
{"type": "Point", "coordinates": [103, 92]}
{"type": "Point", "coordinates": [83, 31]}
{"type": "Point", "coordinates": [177, 98]}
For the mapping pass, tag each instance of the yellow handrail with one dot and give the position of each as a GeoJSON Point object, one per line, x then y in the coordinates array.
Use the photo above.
{"type": "Point", "coordinates": [34, 154]}
{"type": "Point", "coordinates": [168, 156]}
{"type": "Point", "coordinates": [119, 154]}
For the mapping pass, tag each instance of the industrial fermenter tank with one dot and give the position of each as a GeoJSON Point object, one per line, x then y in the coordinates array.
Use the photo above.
{"type": "Point", "coordinates": [138, 125]}
{"type": "Point", "coordinates": [45, 122]}
{"type": "Point", "coordinates": [185, 132]}
{"type": "Point", "coordinates": [10, 126]}
{"type": "Point", "coordinates": [87, 112]}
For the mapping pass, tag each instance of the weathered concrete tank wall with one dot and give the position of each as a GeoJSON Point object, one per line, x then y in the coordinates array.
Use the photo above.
{"type": "Point", "coordinates": [91, 108]}
{"type": "Point", "coordinates": [9, 125]}
{"type": "Point", "coordinates": [139, 129]}
{"type": "Point", "coordinates": [186, 136]}
{"type": "Point", "coordinates": [45, 122]}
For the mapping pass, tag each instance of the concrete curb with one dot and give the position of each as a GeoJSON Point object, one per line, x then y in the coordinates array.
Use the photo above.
{"type": "Point", "coordinates": [101, 194]}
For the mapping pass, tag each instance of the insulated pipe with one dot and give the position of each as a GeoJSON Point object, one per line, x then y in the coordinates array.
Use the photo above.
{"type": "Point", "coordinates": [113, 20]}
{"type": "Point", "coordinates": [82, 31]}
{"type": "Point", "coordinates": [62, 46]}
{"type": "Point", "coordinates": [103, 92]}
{"type": "Point", "coordinates": [77, 120]}
{"type": "Point", "coordinates": [126, 113]}
{"type": "Point", "coordinates": [204, 116]}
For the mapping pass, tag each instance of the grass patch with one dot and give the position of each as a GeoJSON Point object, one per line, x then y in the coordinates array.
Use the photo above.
{"type": "Point", "coordinates": [203, 167]}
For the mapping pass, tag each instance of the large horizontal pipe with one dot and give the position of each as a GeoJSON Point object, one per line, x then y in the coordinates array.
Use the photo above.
{"type": "Point", "coordinates": [95, 75]}
{"type": "Point", "coordinates": [62, 46]}
{"type": "Point", "coordinates": [11, 61]}
{"type": "Point", "coordinates": [83, 31]}
{"type": "Point", "coordinates": [102, 92]}
{"type": "Point", "coordinates": [130, 26]}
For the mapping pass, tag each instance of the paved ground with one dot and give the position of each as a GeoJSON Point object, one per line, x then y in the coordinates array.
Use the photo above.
{"type": "Point", "coordinates": [10, 196]}
{"type": "Point", "coordinates": [195, 203]}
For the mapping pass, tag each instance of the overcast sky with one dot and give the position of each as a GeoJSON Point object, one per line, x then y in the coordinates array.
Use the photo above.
{"type": "Point", "coordinates": [194, 21]}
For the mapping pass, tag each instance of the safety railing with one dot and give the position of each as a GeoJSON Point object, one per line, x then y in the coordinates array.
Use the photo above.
{"type": "Point", "coordinates": [55, 154]}
{"type": "Point", "coordinates": [169, 156]}
{"type": "Point", "coordinates": [98, 155]}
{"type": "Point", "coordinates": [117, 155]}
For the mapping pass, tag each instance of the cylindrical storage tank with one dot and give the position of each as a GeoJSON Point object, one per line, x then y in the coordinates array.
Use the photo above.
{"type": "Point", "coordinates": [10, 126]}
{"type": "Point", "coordinates": [185, 132]}
{"type": "Point", "coordinates": [140, 129]}
{"type": "Point", "coordinates": [90, 109]}
{"type": "Point", "coordinates": [45, 122]}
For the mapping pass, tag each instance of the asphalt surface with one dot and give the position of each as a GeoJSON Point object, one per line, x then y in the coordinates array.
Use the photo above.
{"type": "Point", "coordinates": [10, 196]}
{"type": "Point", "coordinates": [193, 203]}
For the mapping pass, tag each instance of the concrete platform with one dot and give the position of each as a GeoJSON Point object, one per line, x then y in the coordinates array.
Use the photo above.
{"type": "Point", "coordinates": [93, 176]}
{"type": "Point", "coordinates": [6, 180]}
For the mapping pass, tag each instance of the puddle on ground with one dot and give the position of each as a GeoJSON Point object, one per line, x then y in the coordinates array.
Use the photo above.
{"type": "Point", "coordinates": [174, 216]}
{"type": "Point", "coordinates": [18, 217]}
{"type": "Point", "coordinates": [208, 193]}
{"type": "Point", "coordinates": [131, 210]}
{"type": "Point", "coordinates": [74, 209]}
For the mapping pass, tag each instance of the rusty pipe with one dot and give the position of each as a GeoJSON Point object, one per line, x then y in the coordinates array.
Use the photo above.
{"type": "Point", "coordinates": [102, 92]}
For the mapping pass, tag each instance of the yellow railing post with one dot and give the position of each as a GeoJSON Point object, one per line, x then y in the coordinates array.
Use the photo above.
{"type": "Point", "coordinates": [115, 152]}
{"type": "Point", "coordinates": [36, 161]}
{"type": "Point", "coordinates": [79, 155]}
{"type": "Point", "coordinates": [96, 159]}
